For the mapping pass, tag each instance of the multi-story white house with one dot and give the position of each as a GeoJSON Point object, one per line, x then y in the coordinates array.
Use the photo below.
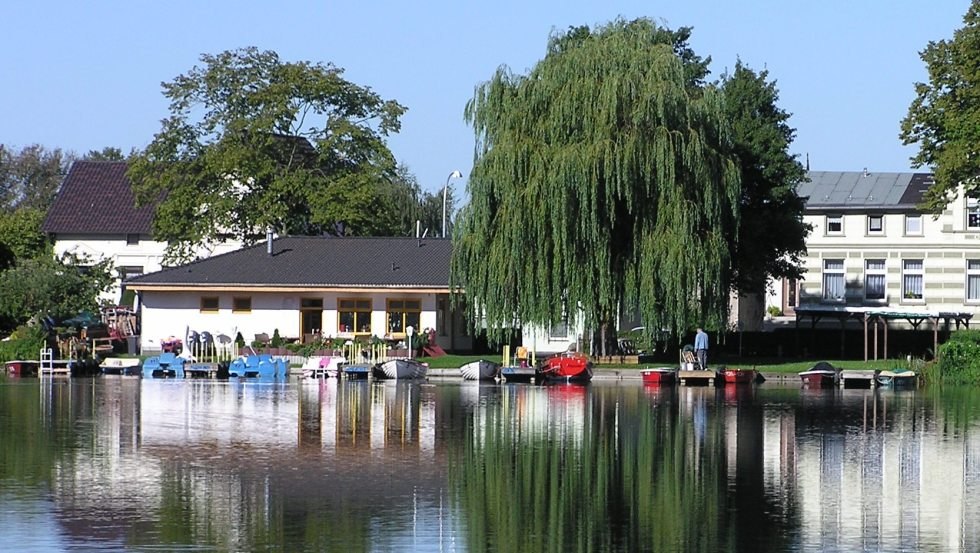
{"type": "Point", "coordinates": [95, 216]}
{"type": "Point", "coordinates": [872, 247]}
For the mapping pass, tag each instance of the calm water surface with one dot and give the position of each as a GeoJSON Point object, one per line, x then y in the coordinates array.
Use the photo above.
{"type": "Point", "coordinates": [119, 464]}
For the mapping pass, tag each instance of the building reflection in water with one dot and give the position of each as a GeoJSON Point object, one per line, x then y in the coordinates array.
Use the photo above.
{"type": "Point", "coordinates": [222, 462]}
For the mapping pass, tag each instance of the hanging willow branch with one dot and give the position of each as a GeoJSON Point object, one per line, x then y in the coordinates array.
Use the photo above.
{"type": "Point", "coordinates": [602, 180]}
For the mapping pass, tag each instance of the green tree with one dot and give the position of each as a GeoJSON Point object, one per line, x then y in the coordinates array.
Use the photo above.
{"type": "Point", "coordinates": [108, 153]}
{"type": "Point", "coordinates": [254, 142]}
{"type": "Point", "coordinates": [59, 288]}
{"type": "Point", "coordinates": [603, 179]}
{"type": "Point", "coordinates": [31, 177]}
{"type": "Point", "coordinates": [20, 234]}
{"type": "Point", "coordinates": [772, 234]}
{"type": "Point", "coordinates": [944, 117]}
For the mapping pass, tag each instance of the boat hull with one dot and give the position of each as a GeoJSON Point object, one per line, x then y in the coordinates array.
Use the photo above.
{"type": "Point", "coordinates": [738, 376]}
{"type": "Point", "coordinates": [403, 369]}
{"type": "Point", "coordinates": [21, 368]}
{"type": "Point", "coordinates": [895, 380]}
{"type": "Point", "coordinates": [660, 376]}
{"type": "Point", "coordinates": [568, 367]}
{"type": "Point", "coordinates": [819, 379]}
{"type": "Point", "coordinates": [480, 370]}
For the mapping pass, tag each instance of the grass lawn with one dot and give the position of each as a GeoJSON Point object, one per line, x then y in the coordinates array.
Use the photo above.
{"type": "Point", "coordinates": [760, 364]}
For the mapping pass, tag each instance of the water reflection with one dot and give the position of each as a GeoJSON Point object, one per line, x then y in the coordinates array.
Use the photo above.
{"type": "Point", "coordinates": [131, 464]}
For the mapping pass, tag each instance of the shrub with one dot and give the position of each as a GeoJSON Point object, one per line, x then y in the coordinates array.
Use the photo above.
{"type": "Point", "coordinates": [959, 360]}
{"type": "Point", "coordinates": [25, 343]}
{"type": "Point", "coordinates": [276, 341]}
{"type": "Point", "coordinates": [239, 340]}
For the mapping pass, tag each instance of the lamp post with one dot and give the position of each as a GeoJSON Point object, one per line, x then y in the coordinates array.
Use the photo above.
{"type": "Point", "coordinates": [410, 330]}
{"type": "Point", "coordinates": [453, 175]}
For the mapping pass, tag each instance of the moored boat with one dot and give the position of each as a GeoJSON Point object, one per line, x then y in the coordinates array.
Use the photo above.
{"type": "Point", "coordinates": [480, 370]}
{"type": "Point", "coordinates": [899, 378]}
{"type": "Point", "coordinates": [737, 376]}
{"type": "Point", "coordinates": [403, 369]}
{"type": "Point", "coordinates": [821, 375]}
{"type": "Point", "coordinates": [569, 367]}
{"type": "Point", "coordinates": [19, 367]}
{"type": "Point", "coordinates": [120, 366]}
{"type": "Point", "coordinates": [659, 375]}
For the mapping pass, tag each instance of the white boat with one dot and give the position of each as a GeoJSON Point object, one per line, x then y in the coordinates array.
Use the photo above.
{"type": "Point", "coordinates": [403, 369]}
{"type": "Point", "coordinates": [480, 370]}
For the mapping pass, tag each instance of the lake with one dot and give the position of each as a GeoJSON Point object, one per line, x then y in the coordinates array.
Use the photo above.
{"type": "Point", "coordinates": [124, 464]}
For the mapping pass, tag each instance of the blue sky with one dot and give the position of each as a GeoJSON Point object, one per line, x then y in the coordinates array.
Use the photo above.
{"type": "Point", "coordinates": [85, 75]}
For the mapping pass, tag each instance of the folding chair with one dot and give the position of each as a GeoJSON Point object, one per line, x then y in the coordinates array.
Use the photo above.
{"type": "Point", "coordinates": [689, 357]}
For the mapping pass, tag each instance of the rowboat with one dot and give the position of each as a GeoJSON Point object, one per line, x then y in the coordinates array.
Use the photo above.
{"type": "Point", "coordinates": [19, 367]}
{"type": "Point", "coordinates": [401, 369]}
{"type": "Point", "coordinates": [480, 370]}
{"type": "Point", "coordinates": [821, 375]}
{"type": "Point", "coordinates": [120, 366]}
{"type": "Point", "coordinates": [659, 375]}
{"type": "Point", "coordinates": [901, 378]}
{"type": "Point", "coordinates": [568, 367]}
{"type": "Point", "coordinates": [738, 376]}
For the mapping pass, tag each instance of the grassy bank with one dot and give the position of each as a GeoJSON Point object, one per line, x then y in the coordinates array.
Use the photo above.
{"type": "Point", "coordinates": [762, 365]}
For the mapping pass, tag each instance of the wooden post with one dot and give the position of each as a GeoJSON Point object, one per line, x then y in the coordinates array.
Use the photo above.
{"type": "Point", "coordinates": [865, 337]}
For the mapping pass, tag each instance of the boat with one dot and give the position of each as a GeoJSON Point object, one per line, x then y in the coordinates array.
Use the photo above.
{"type": "Point", "coordinates": [821, 375]}
{"type": "Point", "coordinates": [18, 367]}
{"type": "Point", "coordinates": [659, 375]}
{"type": "Point", "coordinates": [400, 369]}
{"type": "Point", "coordinates": [165, 365]}
{"type": "Point", "coordinates": [898, 378]}
{"type": "Point", "coordinates": [260, 366]}
{"type": "Point", "coordinates": [480, 370]}
{"type": "Point", "coordinates": [570, 366]}
{"type": "Point", "coordinates": [738, 376]}
{"type": "Point", "coordinates": [120, 366]}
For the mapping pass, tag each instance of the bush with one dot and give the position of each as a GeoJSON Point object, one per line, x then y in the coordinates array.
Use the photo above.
{"type": "Point", "coordinates": [959, 360]}
{"type": "Point", "coordinates": [276, 341]}
{"type": "Point", "coordinates": [24, 344]}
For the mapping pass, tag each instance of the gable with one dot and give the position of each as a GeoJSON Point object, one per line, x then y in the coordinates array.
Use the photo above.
{"type": "Point", "coordinates": [96, 198]}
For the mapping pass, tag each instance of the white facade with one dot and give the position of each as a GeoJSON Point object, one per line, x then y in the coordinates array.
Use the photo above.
{"type": "Point", "coordinates": [879, 257]}
{"type": "Point", "coordinates": [131, 254]}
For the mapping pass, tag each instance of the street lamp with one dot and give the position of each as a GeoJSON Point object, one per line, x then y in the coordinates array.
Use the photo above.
{"type": "Point", "coordinates": [453, 175]}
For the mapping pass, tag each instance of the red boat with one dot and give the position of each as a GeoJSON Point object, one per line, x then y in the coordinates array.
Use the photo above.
{"type": "Point", "coordinates": [569, 367]}
{"type": "Point", "coordinates": [822, 375]}
{"type": "Point", "coordinates": [21, 368]}
{"type": "Point", "coordinates": [738, 376]}
{"type": "Point", "coordinates": [659, 375]}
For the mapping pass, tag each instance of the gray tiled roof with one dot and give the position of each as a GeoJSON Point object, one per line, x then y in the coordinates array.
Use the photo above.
{"type": "Point", "coordinates": [317, 262]}
{"type": "Point", "coordinates": [96, 198]}
{"type": "Point", "coordinates": [863, 190]}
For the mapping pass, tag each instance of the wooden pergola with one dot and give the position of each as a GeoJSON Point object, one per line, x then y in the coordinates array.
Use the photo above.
{"type": "Point", "coordinates": [874, 317]}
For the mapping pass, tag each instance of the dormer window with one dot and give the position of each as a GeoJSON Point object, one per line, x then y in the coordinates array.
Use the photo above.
{"type": "Point", "coordinates": [835, 224]}
{"type": "Point", "coordinates": [913, 224]}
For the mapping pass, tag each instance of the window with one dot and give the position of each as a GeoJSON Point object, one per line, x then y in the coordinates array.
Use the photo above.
{"type": "Point", "coordinates": [354, 315]}
{"type": "Point", "coordinates": [241, 305]}
{"type": "Point", "coordinates": [833, 279]}
{"type": "Point", "coordinates": [973, 280]}
{"type": "Point", "coordinates": [835, 224]}
{"type": "Point", "coordinates": [403, 314]}
{"type": "Point", "coordinates": [874, 279]}
{"type": "Point", "coordinates": [913, 225]}
{"type": "Point", "coordinates": [973, 214]}
{"type": "Point", "coordinates": [876, 224]}
{"type": "Point", "coordinates": [209, 304]}
{"type": "Point", "coordinates": [132, 239]}
{"type": "Point", "coordinates": [912, 279]}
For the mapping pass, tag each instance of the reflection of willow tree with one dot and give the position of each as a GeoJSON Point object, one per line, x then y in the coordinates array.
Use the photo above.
{"type": "Point", "coordinates": [623, 485]}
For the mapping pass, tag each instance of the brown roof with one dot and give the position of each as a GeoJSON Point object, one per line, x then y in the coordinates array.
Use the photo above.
{"type": "Point", "coordinates": [96, 198]}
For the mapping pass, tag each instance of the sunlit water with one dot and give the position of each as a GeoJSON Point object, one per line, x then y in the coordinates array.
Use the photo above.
{"type": "Point", "coordinates": [121, 464]}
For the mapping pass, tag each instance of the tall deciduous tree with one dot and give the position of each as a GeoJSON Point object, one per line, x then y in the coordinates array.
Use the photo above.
{"type": "Point", "coordinates": [944, 117]}
{"type": "Point", "coordinates": [31, 177]}
{"type": "Point", "coordinates": [603, 179]}
{"type": "Point", "coordinates": [772, 234]}
{"type": "Point", "coordinates": [255, 142]}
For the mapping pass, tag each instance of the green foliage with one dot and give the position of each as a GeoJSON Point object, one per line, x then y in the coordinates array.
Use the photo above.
{"type": "Point", "coordinates": [603, 179]}
{"type": "Point", "coordinates": [239, 340]}
{"type": "Point", "coordinates": [253, 142]}
{"type": "Point", "coordinates": [30, 178]}
{"type": "Point", "coordinates": [108, 153]}
{"type": "Point", "coordinates": [276, 341]}
{"type": "Point", "coordinates": [771, 234]}
{"type": "Point", "coordinates": [944, 117]}
{"type": "Point", "coordinates": [20, 233]}
{"type": "Point", "coordinates": [25, 343]}
{"type": "Point", "coordinates": [774, 311]}
{"type": "Point", "coordinates": [59, 288]}
{"type": "Point", "coordinates": [959, 361]}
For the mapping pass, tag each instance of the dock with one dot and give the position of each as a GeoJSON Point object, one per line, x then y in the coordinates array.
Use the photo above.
{"type": "Point", "coordinates": [53, 367]}
{"type": "Point", "coordinates": [850, 378]}
{"type": "Point", "coordinates": [201, 370]}
{"type": "Point", "coordinates": [696, 378]}
{"type": "Point", "coordinates": [518, 374]}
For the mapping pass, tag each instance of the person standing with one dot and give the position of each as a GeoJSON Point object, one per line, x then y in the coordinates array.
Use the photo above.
{"type": "Point", "coordinates": [701, 348]}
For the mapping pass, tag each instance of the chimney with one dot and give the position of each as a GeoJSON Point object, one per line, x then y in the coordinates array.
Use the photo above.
{"type": "Point", "coordinates": [268, 240]}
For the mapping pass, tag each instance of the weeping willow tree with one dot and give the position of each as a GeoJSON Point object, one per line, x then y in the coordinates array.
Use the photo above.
{"type": "Point", "coordinates": [603, 181]}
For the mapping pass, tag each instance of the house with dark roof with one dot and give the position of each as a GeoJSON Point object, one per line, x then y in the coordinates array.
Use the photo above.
{"type": "Point", "coordinates": [301, 286]}
{"type": "Point", "coordinates": [95, 216]}
{"type": "Point", "coordinates": [872, 247]}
